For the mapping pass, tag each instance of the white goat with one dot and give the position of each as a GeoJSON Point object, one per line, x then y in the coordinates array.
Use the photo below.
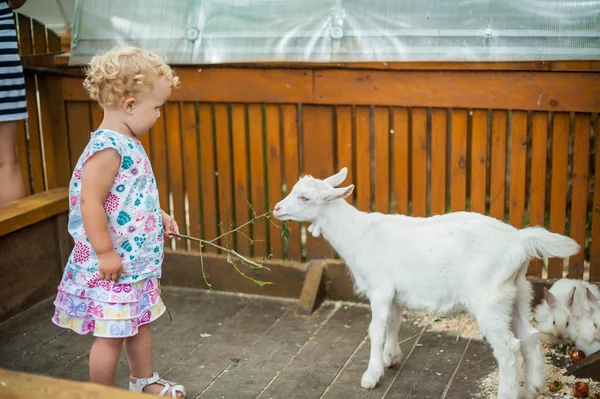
{"type": "Point", "coordinates": [441, 264]}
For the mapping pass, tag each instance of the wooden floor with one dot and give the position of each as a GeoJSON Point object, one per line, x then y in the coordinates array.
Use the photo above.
{"type": "Point", "coordinates": [229, 346]}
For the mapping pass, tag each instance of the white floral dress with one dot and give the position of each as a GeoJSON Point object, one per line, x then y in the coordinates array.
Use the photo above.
{"type": "Point", "coordinates": [84, 302]}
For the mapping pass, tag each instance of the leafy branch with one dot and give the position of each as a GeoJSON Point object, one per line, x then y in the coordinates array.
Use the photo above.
{"type": "Point", "coordinates": [231, 253]}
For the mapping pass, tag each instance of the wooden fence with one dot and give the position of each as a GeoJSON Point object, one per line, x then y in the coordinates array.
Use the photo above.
{"type": "Point", "coordinates": [517, 141]}
{"type": "Point", "coordinates": [35, 43]}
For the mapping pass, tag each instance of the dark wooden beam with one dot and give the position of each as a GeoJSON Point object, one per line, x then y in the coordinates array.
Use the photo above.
{"type": "Point", "coordinates": [313, 289]}
{"type": "Point", "coordinates": [586, 368]}
{"type": "Point", "coordinates": [183, 269]}
{"type": "Point", "coordinates": [31, 264]}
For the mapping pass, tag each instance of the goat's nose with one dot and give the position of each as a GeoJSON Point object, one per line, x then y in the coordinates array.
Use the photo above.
{"type": "Point", "coordinates": [277, 208]}
{"type": "Point", "coordinates": [559, 336]}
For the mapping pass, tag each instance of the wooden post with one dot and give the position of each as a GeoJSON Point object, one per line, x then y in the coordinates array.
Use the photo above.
{"type": "Point", "coordinates": [312, 290]}
{"type": "Point", "coordinates": [56, 144]}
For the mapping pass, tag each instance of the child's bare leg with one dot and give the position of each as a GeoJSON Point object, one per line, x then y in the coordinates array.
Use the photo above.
{"type": "Point", "coordinates": [104, 356]}
{"type": "Point", "coordinates": [139, 352]}
{"type": "Point", "coordinates": [139, 356]}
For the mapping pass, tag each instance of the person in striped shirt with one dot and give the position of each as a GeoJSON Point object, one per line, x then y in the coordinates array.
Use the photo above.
{"type": "Point", "coordinates": [13, 106]}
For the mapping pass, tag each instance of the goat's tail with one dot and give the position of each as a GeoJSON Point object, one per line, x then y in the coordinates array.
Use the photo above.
{"type": "Point", "coordinates": [539, 243]}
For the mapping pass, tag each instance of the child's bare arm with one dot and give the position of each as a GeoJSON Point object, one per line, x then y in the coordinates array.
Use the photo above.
{"type": "Point", "coordinates": [169, 225]}
{"type": "Point", "coordinates": [98, 176]}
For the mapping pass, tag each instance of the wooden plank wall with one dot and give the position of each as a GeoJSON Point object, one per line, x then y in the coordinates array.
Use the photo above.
{"type": "Point", "coordinates": [248, 133]}
{"type": "Point", "coordinates": [502, 139]}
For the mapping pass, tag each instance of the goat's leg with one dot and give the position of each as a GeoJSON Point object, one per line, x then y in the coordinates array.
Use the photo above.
{"type": "Point", "coordinates": [381, 304]}
{"type": "Point", "coordinates": [530, 346]}
{"type": "Point", "coordinates": [392, 354]}
{"type": "Point", "coordinates": [494, 321]}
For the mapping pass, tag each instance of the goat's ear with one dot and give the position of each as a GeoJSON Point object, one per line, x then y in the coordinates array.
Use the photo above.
{"type": "Point", "coordinates": [336, 193]}
{"type": "Point", "coordinates": [338, 178]}
{"type": "Point", "coordinates": [551, 299]}
{"type": "Point", "coordinates": [570, 298]}
{"type": "Point", "coordinates": [593, 302]}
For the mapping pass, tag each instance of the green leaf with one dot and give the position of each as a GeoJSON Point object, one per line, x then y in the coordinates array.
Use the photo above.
{"type": "Point", "coordinates": [285, 233]}
{"type": "Point", "coordinates": [262, 283]}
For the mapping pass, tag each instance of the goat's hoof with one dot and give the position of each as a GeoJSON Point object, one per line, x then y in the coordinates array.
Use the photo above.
{"type": "Point", "coordinates": [368, 381]}
{"type": "Point", "coordinates": [529, 393]}
{"type": "Point", "coordinates": [533, 386]}
{"type": "Point", "coordinates": [526, 394]}
{"type": "Point", "coordinates": [505, 395]}
{"type": "Point", "coordinates": [392, 359]}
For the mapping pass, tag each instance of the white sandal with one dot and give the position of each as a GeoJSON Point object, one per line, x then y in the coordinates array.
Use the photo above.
{"type": "Point", "coordinates": [141, 383]}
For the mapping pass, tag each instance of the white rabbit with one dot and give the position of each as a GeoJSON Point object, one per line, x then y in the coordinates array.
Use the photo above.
{"type": "Point", "coordinates": [587, 326]}
{"type": "Point", "coordinates": [553, 315]}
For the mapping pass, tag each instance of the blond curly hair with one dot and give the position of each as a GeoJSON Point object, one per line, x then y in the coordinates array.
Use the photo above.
{"type": "Point", "coordinates": [122, 72]}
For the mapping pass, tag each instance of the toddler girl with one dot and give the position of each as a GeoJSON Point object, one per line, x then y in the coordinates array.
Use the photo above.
{"type": "Point", "coordinates": [110, 285]}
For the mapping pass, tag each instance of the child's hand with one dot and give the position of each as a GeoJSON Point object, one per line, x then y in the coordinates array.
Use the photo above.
{"type": "Point", "coordinates": [170, 225]}
{"type": "Point", "coordinates": [110, 266]}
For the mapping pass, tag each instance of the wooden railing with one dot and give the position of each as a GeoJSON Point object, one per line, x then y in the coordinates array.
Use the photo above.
{"type": "Point", "coordinates": [517, 141]}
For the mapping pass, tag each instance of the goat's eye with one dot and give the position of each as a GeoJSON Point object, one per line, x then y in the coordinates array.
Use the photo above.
{"type": "Point", "coordinates": [554, 323]}
{"type": "Point", "coordinates": [595, 325]}
{"type": "Point", "coordinates": [303, 198]}
{"type": "Point", "coordinates": [567, 324]}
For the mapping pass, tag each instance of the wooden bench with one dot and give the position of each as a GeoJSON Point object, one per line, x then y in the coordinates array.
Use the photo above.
{"type": "Point", "coordinates": [35, 245]}
{"type": "Point", "coordinates": [16, 385]}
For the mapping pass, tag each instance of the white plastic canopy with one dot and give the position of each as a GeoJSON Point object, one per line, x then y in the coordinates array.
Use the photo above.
{"type": "Point", "coordinates": [231, 31]}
